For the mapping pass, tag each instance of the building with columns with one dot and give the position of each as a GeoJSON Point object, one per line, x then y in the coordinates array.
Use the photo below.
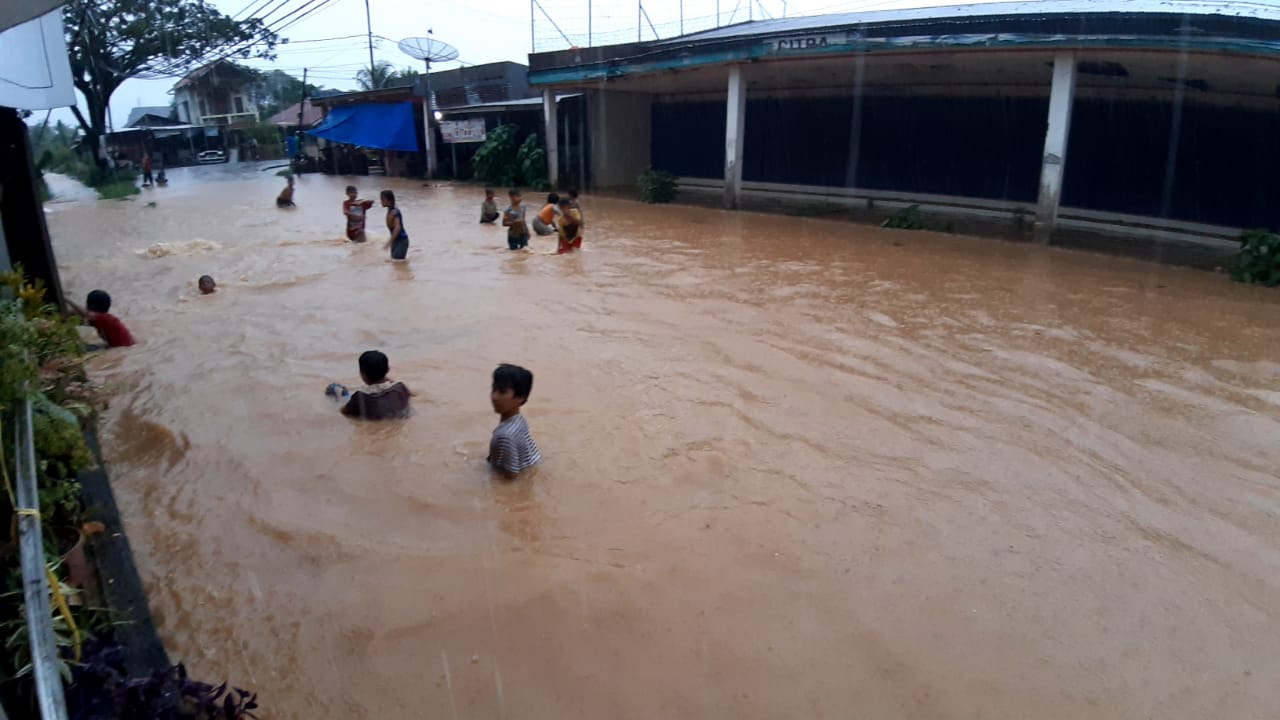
{"type": "Point", "coordinates": [1144, 115]}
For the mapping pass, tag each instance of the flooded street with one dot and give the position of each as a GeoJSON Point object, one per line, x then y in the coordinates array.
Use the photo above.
{"type": "Point", "coordinates": [792, 467]}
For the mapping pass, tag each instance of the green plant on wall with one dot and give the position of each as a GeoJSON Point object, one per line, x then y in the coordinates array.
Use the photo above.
{"type": "Point", "coordinates": [1259, 258]}
{"type": "Point", "coordinates": [657, 186]}
{"type": "Point", "coordinates": [907, 218]}
{"type": "Point", "coordinates": [495, 161]}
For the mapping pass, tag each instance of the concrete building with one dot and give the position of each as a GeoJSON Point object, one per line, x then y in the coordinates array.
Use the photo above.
{"type": "Point", "coordinates": [1144, 114]}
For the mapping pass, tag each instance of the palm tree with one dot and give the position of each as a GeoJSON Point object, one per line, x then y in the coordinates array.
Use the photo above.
{"type": "Point", "coordinates": [376, 77]}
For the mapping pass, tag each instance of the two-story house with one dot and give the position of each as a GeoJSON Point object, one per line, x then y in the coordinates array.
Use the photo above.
{"type": "Point", "coordinates": [217, 95]}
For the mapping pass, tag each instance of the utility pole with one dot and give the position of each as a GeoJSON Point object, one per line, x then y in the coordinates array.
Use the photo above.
{"type": "Point", "coordinates": [368, 23]}
{"type": "Point", "coordinates": [588, 23]}
{"type": "Point", "coordinates": [681, 17]}
{"type": "Point", "coordinates": [303, 100]}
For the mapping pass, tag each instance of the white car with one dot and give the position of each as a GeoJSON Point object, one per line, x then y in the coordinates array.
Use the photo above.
{"type": "Point", "coordinates": [211, 156]}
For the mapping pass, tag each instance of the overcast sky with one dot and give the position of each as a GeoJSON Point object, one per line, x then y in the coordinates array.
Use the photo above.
{"type": "Point", "coordinates": [482, 31]}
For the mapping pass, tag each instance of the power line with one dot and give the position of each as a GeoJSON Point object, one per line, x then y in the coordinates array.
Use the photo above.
{"type": "Point", "coordinates": [274, 27]}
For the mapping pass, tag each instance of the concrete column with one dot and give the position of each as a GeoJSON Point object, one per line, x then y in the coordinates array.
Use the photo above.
{"type": "Point", "coordinates": [1061, 97]}
{"type": "Point", "coordinates": [734, 137]}
{"type": "Point", "coordinates": [553, 144]}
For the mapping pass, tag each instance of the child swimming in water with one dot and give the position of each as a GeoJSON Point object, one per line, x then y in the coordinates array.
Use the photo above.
{"type": "Point", "coordinates": [207, 286]}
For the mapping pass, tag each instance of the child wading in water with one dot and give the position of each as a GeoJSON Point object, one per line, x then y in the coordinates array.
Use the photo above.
{"type": "Point", "coordinates": [513, 221]}
{"type": "Point", "coordinates": [380, 399]}
{"type": "Point", "coordinates": [569, 226]}
{"type": "Point", "coordinates": [488, 208]}
{"type": "Point", "coordinates": [354, 210]}
{"type": "Point", "coordinates": [511, 450]}
{"type": "Point", "coordinates": [399, 240]}
{"type": "Point", "coordinates": [544, 223]}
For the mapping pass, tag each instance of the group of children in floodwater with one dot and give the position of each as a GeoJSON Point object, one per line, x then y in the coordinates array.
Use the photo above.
{"type": "Point", "coordinates": [560, 216]}
{"type": "Point", "coordinates": [511, 448]}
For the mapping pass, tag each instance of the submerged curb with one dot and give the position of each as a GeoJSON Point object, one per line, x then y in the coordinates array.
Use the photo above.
{"type": "Point", "coordinates": [121, 585]}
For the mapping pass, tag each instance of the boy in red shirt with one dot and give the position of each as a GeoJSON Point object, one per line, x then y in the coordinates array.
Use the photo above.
{"type": "Point", "coordinates": [97, 313]}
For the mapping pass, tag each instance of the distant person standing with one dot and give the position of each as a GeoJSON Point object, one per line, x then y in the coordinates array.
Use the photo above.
{"type": "Point", "coordinates": [146, 170]}
{"type": "Point", "coordinates": [399, 240]}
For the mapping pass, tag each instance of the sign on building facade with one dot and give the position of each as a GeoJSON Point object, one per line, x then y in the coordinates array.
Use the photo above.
{"type": "Point", "coordinates": [463, 131]}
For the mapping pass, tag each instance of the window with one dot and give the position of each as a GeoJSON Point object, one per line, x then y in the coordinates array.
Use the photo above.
{"type": "Point", "coordinates": [204, 109]}
{"type": "Point", "coordinates": [239, 103]}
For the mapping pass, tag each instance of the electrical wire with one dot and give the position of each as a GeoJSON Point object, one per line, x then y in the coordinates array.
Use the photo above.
{"type": "Point", "coordinates": [274, 27]}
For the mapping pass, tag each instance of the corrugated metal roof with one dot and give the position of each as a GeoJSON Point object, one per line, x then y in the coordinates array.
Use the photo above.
{"type": "Point", "coordinates": [1044, 8]}
{"type": "Point", "coordinates": [136, 114]}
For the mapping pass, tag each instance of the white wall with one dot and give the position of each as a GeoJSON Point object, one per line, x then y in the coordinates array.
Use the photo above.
{"type": "Point", "coordinates": [621, 130]}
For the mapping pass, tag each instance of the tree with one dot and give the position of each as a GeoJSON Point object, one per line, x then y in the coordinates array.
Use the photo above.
{"type": "Point", "coordinates": [277, 90]}
{"type": "Point", "coordinates": [382, 75]}
{"type": "Point", "coordinates": [110, 41]}
{"type": "Point", "coordinates": [376, 77]}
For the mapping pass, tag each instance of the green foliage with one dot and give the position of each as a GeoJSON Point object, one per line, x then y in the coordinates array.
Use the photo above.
{"type": "Point", "coordinates": [532, 161]}
{"type": "Point", "coordinates": [110, 41]}
{"type": "Point", "coordinates": [906, 219]}
{"type": "Point", "coordinates": [495, 162]}
{"type": "Point", "coordinates": [1259, 258]}
{"type": "Point", "coordinates": [382, 75]}
{"type": "Point", "coordinates": [118, 190]}
{"type": "Point", "coordinates": [657, 186]}
{"type": "Point", "coordinates": [270, 142]}
{"type": "Point", "coordinates": [276, 90]}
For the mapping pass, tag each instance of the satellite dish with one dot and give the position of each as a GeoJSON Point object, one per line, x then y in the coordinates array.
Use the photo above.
{"type": "Point", "coordinates": [428, 49]}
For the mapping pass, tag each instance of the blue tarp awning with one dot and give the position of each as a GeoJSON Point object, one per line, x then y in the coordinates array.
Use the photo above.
{"type": "Point", "coordinates": [386, 126]}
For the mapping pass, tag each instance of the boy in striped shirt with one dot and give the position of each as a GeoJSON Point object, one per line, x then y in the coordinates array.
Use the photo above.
{"type": "Point", "coordinates": [511, 450]}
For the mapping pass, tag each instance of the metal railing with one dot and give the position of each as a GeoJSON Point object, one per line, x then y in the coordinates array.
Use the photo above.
{"type": "Point", "coordinates": [35, 574]}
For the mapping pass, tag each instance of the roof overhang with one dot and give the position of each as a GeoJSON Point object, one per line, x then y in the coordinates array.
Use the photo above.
{"type": "Point", "coordinates": [1252, 29]}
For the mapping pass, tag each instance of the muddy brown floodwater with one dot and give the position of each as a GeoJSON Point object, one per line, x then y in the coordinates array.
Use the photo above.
{"type": "Point", "coordinates": [792, 468]}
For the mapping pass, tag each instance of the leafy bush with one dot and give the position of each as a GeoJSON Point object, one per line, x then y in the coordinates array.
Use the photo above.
{"type": "Point", "coordinates": [102, 690]}
{"type": "Point", "coordinates": [1259, 258]}
{"type": "Point", "coordinates": [657, 186]}
{"type": "Point", "coordinates": [905, 219]}
{"type": "Point", "coordinates": [495, 162]}
{"type": "Point", "coordinates": [532, 159]}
